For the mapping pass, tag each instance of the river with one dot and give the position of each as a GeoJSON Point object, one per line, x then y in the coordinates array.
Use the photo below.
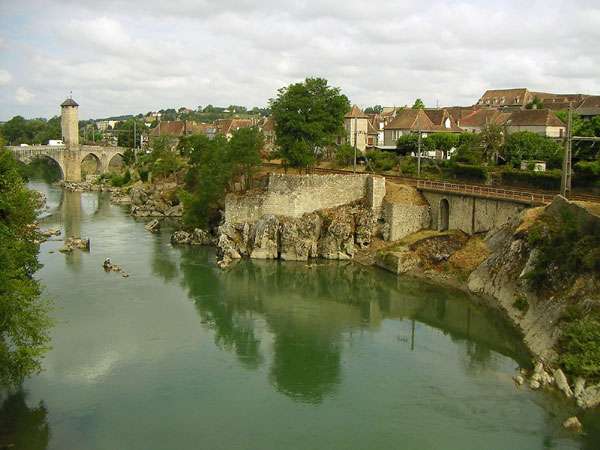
{"type": "Point", "coordinates": [266, 355]}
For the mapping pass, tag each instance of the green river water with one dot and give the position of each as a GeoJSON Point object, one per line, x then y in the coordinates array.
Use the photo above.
{"type": "Point", "coordinates": [266, 355]}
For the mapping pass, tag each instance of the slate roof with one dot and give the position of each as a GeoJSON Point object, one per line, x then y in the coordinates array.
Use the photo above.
{"type": "Point", "coordinates": [69, 102]}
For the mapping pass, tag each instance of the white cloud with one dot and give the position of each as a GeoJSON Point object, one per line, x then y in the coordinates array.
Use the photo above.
{"type": "Point", "coordinates": [195, 52]}
{"type": "Point", "coordinates": [5, 77]}
{"type": "Point", "coordinates": [23, 96]}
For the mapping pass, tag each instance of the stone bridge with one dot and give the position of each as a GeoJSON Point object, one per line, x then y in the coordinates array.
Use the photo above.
{"type": "Point", "coordinates": [69, 158]}
{"type": "Point", "coordinates": [474, 209]}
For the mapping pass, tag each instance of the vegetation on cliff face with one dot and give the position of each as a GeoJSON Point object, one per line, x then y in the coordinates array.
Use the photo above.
{"type": "Point", "coordinates": [24, 320]}
{"type": "Point", "coordinates": [214, 165]}
{"type": "Point", "coordinates": [567, 249]}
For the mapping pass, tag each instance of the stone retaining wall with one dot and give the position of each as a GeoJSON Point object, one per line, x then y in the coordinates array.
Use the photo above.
{"type": "Point", "coordinates": [296, 195]}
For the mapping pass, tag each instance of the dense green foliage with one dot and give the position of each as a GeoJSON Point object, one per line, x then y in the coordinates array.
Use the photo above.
{"type": "Point", "coordinates": [344, 155]}
{"type": "Point", "coordinates": [587, 173]}
{"type": "Point", "coordinates": [214, 166]}
{"type": "Point", "coordinates": [584, 150]}
{"type": "Point", "coordinates": [162, 161]}
{"type": "Point", "coordinates": [127, 130]}
{"type": "Point", "coordinates": [35, 131]}
{"type": "Point", "coordinates": [525, 145]}
{"type": "Point", "coordinates": [377, 109]}
{"type": "Point", "coordinates": [24, 321]}
{"type": "Point", "coordinates": [549, 180]}
{"type": "Point", "coordinates": [378, 160]}
{"type": "Point", "coordinates": [308, 116]}
{"type": "Point", "coordinates": [567, 247]}
{"type": "Point", "coordinates": [580, 347]}
{"type": "Point", "coordinates": [418, 104]}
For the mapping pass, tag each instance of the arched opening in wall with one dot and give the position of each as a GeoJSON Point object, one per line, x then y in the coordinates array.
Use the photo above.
{"type": "Point", "coordinates": [116, 164]}
{"type": "Point", "coordinates": [43, 168]}
{"type": "Point", "coordinates": [444, 219]}
{"type": "Point", "coordinates": [90, 165]}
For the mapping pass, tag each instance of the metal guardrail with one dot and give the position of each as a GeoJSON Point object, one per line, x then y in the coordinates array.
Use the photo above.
{"type": "Point", "coordinates": [487, 192]}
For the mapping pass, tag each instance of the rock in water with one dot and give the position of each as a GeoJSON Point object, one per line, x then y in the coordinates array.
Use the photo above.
{"type": "Point", "coordinates": [590, 397]}
{"type": "Point", "coordinates": [153, 226]}
{"type": "Point", "coordinates": [579, 387]}
{"type": "Point", "coordinates": [561, 382]}
{"type": "Point", "coordinates": [573, 424]}
{"type": "Point", "coordinates": [107, 265]}
{"type": "Point", "coordinates": [519, 379]}
{"type": "Point", "coordinates": [180, 237]}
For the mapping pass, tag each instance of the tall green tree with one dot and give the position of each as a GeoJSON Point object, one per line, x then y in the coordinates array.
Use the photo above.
{"type": "Point", "coordinates": [377, 109]}
{"type": "Point", "coordinates": [125, 133]}
{"type": "Point", "coordinates": [24, 321]}
{"type": "Point", "coordinates": [308, 117]}
{"type": "Point", "coordinates": [526, 145]}
{"type": "Point", "coordinates": [244, 152]}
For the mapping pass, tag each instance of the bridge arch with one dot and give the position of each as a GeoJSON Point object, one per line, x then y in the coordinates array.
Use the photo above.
{"type": "Point", "coordinates": [41, 157]}
{"type": "Point", "coordinates": [444, 215]}
{"type": "Point", "coordinates": [111, 159]}
{"type": "Point", "coordinates": [85, 161]}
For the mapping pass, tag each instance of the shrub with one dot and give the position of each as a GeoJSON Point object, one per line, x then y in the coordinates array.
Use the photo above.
{"type": "Point", "coordinates": [567, 248]}
{"type": "Point", "coordinates": [521, 304]}
{"type": "Point", "coordinates": [580, 347]}
{"type": "Point", "coordinates": [587, 173]}
{"type": "Point", "coordinates": [120, 180]}
{"type": "Point", "coordinates": [542, 180]}
{"type": "Point", "coordinates": [466, 171]}
{"type": "Point", "coordinates": [382, 161]}
{"type": "Point", "coordinates": [344, 155]}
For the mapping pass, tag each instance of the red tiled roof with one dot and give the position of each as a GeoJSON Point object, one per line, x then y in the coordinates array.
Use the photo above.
{"type": "Point", "coordinates": [357, 113]}
{"type": "Point", "coordinates": [534, 117]}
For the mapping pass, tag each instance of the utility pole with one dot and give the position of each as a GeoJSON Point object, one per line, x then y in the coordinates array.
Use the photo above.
{"type": "Point", "coordinates": [419, 155]}
{"type": "Point", "coordinates": [565, 183]}
{"type": "Point", "coordinates": [355, 139]}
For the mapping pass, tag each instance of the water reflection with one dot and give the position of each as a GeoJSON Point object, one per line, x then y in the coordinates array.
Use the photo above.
{"type": "Point", "coordinates": [312, 309]}
{"type": "Point", "coordinates": [23, 427]}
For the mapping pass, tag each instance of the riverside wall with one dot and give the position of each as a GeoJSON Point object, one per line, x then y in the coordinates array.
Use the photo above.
{"type": "Point", "coordinates": [296, 195]}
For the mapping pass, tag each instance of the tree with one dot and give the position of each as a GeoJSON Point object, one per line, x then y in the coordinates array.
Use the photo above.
{"type": "Point", "coordinates": [536, 103]}
{"type": "Point", "coordinates": [525, 145]}
{"type": "Point", "coordinates": [344, 155]}
{"type": "Point", "coordinates": [206, 182]}
{"type": "Point", "coordinates": [244, 152]}
{"type": "Point", "coordinates": [125, 133]}
{"type": "Point", "coordinates": [418, 104]}
{"type": "Point", "coordinates": [584, 151]}
{"type": "Point", "coordinates": [308, 117]}
{"type": "Point", "coordinates": [377, 109]}
{"type": "Point", "coordinates": [490, 142]}
{"type": "Point", "coordinates": [24, 321]}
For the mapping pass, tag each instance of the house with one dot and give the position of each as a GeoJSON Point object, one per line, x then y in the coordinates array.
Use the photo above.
{"type": "Point", "coordinates": [589, 107]}
{"type": "Point", "coordinates": [539, 121]}
{"type": "Point", "coordinates": [506, 98]}
{"type": "Point", "coordinates": [406, 122]}
{"type": "Point", "coordinates": [459, 112]}
{"type": "Point", "coordinates": [177, 128]}
{"type": "Point", "coordinates": [358, 127]}
{"type": "Point", "coordinates": [480, 118]}
{"type": "Point", "coordinates": [226, 127]}
{"type": "Point", "coordinates": [442, 119]}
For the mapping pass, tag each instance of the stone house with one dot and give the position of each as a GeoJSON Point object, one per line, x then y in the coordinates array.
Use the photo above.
{"type": "Point", "coordinates": [442, 119]}
{"type": "Point", "coordinates": [408, 121]}
{"type": "Point", "coordinates": [178, 128]}
{"type": "Point", "coordinates": [268, 129]}
{"type": "Point", "coordinates": [359, 130]}
{"type": "Point", "coordinates": [540, 121]}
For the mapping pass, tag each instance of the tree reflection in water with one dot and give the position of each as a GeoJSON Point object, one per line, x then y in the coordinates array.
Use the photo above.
{"type": "Point", "coordinates": [22, 427]}
{"type": "Point", "coordinates": [311, 309]}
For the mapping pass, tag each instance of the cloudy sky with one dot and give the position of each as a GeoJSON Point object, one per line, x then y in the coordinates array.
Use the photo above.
{"type": "Point", "coordinates": [128, 57]}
